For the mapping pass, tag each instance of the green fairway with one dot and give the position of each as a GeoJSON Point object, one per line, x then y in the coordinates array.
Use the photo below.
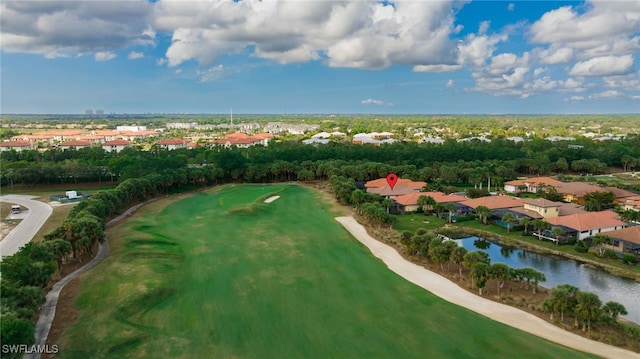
{"type": "Point", "coordinates": [221, 274]}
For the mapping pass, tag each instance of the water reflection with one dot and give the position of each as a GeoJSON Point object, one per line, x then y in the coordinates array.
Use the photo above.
{"type": "Point", "coordinates": [560, 270]}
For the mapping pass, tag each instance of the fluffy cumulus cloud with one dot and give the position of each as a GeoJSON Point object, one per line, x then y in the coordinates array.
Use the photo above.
{"type": "Point", "coordinates": [69, 28]}
{"type": "Point", "coordinates": [603, 66]}
{"type": "Point", "coordinates": [354, 34]}
{"type": "Point", "coordinates": [134, 55]}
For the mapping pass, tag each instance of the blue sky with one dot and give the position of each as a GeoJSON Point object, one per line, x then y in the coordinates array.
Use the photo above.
{"type": "Point", "coordinates": [307, 56]}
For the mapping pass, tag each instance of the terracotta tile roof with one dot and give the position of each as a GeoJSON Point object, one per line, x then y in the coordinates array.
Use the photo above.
{"type": "Point", "coordinates": [570, 208]}
{"type": "Point", "coordinates": [237, 135]}
{"type": "Point", "coordinates": [631, 234]}
{"type": "Point", "coordinates": [412, 198]}
{"type": "Point", "coordinates": [16, 144]}
{"type": "Point", "coordinates": [493, 202]}
{"type": "Point", "coordinates": [173, 141]}
{"type": "Point", "coordinates": [587, 220]}
{"type": "Point", "coordinates": [60, 133]}
{"type": "Point", "coordinates": [541, 202]}
{"type": "Point", "coordinates": [527, 212]}
{"type": "Point", "coordinates": [620, 193]}
{"type": "Point", "coordinates": [263, 136]}
{"type": "Point", "coordinates": [633, 202]}
{"type": "Point", "coordinates": [398, 190]}
{"type": "Point", "coordinates": [117, 143]}
{"type": "Point", "coordinates": [579, 189]}
{"type": "Point", "coordinates": [535, 181]}
{"type": "Point", "coordinates": [382, 182]}
{"type": "Point", "coordinates": [77, 143]}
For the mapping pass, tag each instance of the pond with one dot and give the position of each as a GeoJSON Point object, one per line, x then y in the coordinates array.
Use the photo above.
{"type": "Point", "coordinates": [559, 270]}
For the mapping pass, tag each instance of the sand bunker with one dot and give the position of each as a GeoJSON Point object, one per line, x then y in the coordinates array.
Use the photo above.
{"type": "Point", "coordinates": [271, 199]}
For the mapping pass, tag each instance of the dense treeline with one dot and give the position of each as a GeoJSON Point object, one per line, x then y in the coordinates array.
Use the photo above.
{"type": "Point", "coordinates": [26, 273]}
{"type": "Point", "coordinates": [453, 162]}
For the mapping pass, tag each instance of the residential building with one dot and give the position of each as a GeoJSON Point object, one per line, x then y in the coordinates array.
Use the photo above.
{"type": "Point", "coordinates": [544, 207]}
{"type": "Point", "coordinates": [631, 203]}
{"type": "Point", "coordinates": [174, 143]}
{"type": "Point", "coordinates": [242, 140]}
{"type": "Point", "coordinates": [587, 224]}
{"type": "Point", "coordinates": [402, 187]}
{"type": "Point", "coordinates": [131, 128]}
{"type": "Point", "coordinates": [492, 202]}
{"type": "Point", "coordinates": [409, 202]}
{"type": "Point", "coordinates": [531, 185]}
{"type": "Point", "coordinates": [116, 145]}
{"type": "Point", "coordinates": [17, 146]}
{"type": "Point", "coordinates": [626, 240]}
{"type": "Point", "coordinates": [75, 145]}
{"type": "Point", "coordinates": [575, 191]}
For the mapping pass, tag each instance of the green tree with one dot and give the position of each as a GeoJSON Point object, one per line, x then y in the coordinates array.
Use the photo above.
{"type": "Point", "coordinates": [480, 274]}
{"type": "Point", "coordinates": [509, 219]}
{"type": "Point", "coordinates": [614, 309]}
{"type": "Point", "coordinates": [450, 207]}
{"type": "Point", "coordinates": [599, 241]}
{"type": "Point", "coordinates": [588, 309]}
{"type": "Point", "coordinates": [500, 272]}
{"type": "Point", "coordinates": [558, 233]}
{"type": "Point", "coordinates": [458, 258]}
{"type": "Point", "coordinates": [526, 222]}
{"type": "Point", "coordinates": [483, 213]}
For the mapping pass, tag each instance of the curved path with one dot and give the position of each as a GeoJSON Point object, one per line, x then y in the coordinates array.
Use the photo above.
{"type": "Point", "coordinates": [39, 212]}
{"type": "Point", "coordinates": [451, 292]}
{"type": "Point", "coordinates": [48, 309]}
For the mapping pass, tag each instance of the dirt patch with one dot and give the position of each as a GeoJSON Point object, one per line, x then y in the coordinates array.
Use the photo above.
{"type": "Point", "coordinates": [66, 314]}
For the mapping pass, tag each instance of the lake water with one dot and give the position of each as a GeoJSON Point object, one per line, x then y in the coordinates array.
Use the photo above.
{"type": "Point", "coordinates": [559, 270]}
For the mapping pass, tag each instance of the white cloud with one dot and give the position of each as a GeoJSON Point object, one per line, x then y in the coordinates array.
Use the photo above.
{"type": "Point", "coordinates": [574, 98]}
{"type": "Point", "coordinates": [599, 28]}
{"type": "Point", "coordinates": [475, 50]}
{"type": "Point", "coordinates": [436, 68]}
{"type": "Point", "coordinates": [604, 66]}
{"type": "Point", "coordinates": [161, 61]}
{"type": "Point", "coordinates": [511, 6]}
{"type": "Point", "coordinates": [371, 101]}
{"type": "Point", "coordinates": [178, 71]}
{"type": "Point", "coordinates": [104, 56]}
{"type": "Point", "coordinates": [133, 55]}
{"type": "Point", "coordinates": [609, 94]}
{"type": "Point", "coordinates": [553, 55]}
{"type": "Point", "coordinates": [356, 34]}
{"type": "Point", "coordinates": [450, 83]}
{"type": "Point", "coordinates": [484, 27]}
{"type": "Point", "coordinates": [213, 73]}
{"type": "Point", "coordinates": [69, 28]}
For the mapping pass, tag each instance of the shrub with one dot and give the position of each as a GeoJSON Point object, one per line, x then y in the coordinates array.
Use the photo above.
{"type": "Point", "coordinates": [630, 259]}
{"type": "Point", "coordinates": [580, 247]}
{"type": "Point", "coordinates": [465, 218]}
{"type": "Point", "coordinates": [608, 253]}
{"type": "Point", "coordinates": [571, 241]}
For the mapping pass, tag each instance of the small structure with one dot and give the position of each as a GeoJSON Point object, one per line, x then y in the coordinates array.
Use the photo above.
{"type": "Point", "coordinates": [69, 197]}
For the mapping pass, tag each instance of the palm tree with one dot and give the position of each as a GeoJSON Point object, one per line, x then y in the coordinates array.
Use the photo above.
{"type": "Point", "coordinates": [599, 241]}
{"type": "Point", "coordinates": [557, 232]}
{"type": "Point", "coordinates": [588, 308]}
{"type": "Point", "coordinates": [526, 222]}
{"type": "Point", "coordinates": [450, 207]}
{"type": "Point", "coordinates": [430, 203]}
{"type": "Point", "coordinates": [480, 274]}
{"type": "Point", "coordinates": [509, 219]}
{"type": "Point", "coordinates": [483, 213]}
{"type": "Point", "coordinates": [539, 225]}
{"type": "Point", "coordinates": [439, 209]}
{"type": "Point", "coordinates": [614, 309]}
{"type": "Point", "coordinates": [458, 257]}
{"type": "Point", "coordinates": [500, 272]}
{"type": "Point", "coordinates": [387, 203]}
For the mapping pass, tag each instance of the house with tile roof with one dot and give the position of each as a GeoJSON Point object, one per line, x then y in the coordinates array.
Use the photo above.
{"type": "Point", "coordinates": [402, 187]}
{"type": "Point", "coordinates": [575, 191]}
{"type": "Point", "coordinates": [493, 202]}
{"type": "Point", "coordinates": [242, 140]}
{"type": "Point", "coordinates": [174, 143]}
{"type": "Point", "coordinates": [544, 207]}
{"type": "Point", "coordinates": [409, 202]}
{"type": "Point", "coordinates": [17, 146]}
{"type": "Point", "coordinates": [631, 203]}
{"type": "Point", "coordinates": [531, 185]}
{"type": "Point", "coordinates": [626, 240]}
{"type": "Point", "coordinates": [116, 145]}
{"type": "Point", "coordinates": [587, 224]}
{"type": "Point", "coordinates": [75, 145]}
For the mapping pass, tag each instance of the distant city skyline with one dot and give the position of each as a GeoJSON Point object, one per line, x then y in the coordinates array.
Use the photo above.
{"type": "Point", "coordinates": [320, 57]}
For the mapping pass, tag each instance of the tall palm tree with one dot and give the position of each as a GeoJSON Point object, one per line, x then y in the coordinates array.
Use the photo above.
{"type": "Point", "coordinates": [557, 232]}
{"type": "Point", "coordinates": [483, 213]}
{"type": "Point", "coordinates": [451, 208]}
{"type": "Point", "coordinates": [588, 308]}
{"type": "Point", "coordinates": [526, 222]}
{"type": "Point", "coordinates": [509, 219]}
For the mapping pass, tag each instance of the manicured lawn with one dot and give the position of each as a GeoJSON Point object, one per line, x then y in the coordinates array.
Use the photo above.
{"type": "Point", "coordinates": [220, 274]}
{"type": "Point", "coordinates": [414, 221]}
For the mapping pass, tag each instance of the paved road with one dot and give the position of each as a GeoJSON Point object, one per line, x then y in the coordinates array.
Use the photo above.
{"type": "Point", "coordinates": [39, 212]}
{"type": "Point", "coordinates": [48, 310]}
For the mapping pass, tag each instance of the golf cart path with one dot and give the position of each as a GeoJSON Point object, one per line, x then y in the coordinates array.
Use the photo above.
{"type": "Point", "coordinates": [451, 292]}
{"type": "Point", "coordinates": [39, 212]}
{"type": "Point", "coordinates": [48, 310]}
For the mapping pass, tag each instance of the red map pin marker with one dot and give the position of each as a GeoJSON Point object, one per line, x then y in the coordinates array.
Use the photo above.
{"type": "Point", "coordinates": [392, 179]}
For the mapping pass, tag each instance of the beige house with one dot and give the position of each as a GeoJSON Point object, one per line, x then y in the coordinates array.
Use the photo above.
{"type": "Point", "coordinates": [75, 145]}
{"type": "Point", "coordinates": [544, 207]}
{"type": "Point", "coordinates": [174, 143]}
{"type": "Point", "coordinates": [531, 185]}
{"type": "Point", "coordinates": [116, 145]}
{"type": "Point", "coordinates": [17, 146]}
